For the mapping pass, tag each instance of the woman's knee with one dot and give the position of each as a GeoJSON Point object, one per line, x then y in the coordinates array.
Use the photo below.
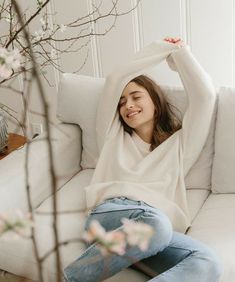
{"type": "Point", "coordinates": [214, 264]}
{"type": "Point", "coordinates": [210, 264]}
{"type": "Point", "coordinates": [162, 230]}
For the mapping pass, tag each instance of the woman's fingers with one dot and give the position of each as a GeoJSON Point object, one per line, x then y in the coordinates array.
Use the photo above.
{"type": "Point", "coordinates": [177, 41]}
{"type": "Point", "coordinates": [169, 39]}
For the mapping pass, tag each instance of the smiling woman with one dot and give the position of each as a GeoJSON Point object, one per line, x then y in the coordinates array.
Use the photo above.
{"type": "Point", "coordinates": [149, 187]}
{"type": "Point", "coordinates": [143, 108]}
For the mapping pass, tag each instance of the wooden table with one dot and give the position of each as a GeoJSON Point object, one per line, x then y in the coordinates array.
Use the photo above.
{"type": "Point", "coordinates": [14, 142]}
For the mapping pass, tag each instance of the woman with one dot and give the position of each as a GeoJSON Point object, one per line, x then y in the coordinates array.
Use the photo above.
{"type": "Point", "coordinates": [145, 153]}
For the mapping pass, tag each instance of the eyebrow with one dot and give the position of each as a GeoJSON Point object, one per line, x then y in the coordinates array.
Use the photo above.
{"type": "Point", "coordinates": [133, 92]}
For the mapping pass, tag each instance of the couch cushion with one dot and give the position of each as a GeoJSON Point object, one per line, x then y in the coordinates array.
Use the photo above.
{"type": "Point", "coordinates": [77, 103]}
{"type": "Point", "coordinates": [65, 140]}
{"type": "Point", "coordinates": [223, 176]}
{"type": "Point", "coordinates": [196, 198]}
{"type": "Point", "coordinates": [78, 97]}
{"type": "Point", "coordinates": [215, 226]}
{"type": "Point", "coordinates": [18, 256]}
{"type": "Point", "coordinates": [199, 176]}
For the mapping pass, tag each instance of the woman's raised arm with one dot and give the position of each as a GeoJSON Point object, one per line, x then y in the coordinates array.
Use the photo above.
{"type": "Point", "coordinates": [201, 101]}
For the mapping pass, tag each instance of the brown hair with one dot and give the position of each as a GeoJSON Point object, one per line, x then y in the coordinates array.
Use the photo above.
{"type": "Point", "coordinates": [165, 120]}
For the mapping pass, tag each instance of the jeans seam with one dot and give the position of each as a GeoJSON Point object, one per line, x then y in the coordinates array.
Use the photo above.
{"type": "Point", "coordinates": [84, 253]}
{"type": "Point", "coordinates": [95, 212]}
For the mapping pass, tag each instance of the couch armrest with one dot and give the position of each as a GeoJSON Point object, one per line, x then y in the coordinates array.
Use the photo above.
{"type": "Point", "coordinates": [66, 145]}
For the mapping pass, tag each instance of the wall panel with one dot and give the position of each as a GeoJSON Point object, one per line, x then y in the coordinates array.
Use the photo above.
{"type": "Point", "coordinates": [161, 19]}
{"type": "Point", "coordinates": [212, 37]}
{"type": "Point", "coordinates": [67, 13]}
{"type": "Point", "coordinates": [118, 45]}
{"type": "Point", "coordinates": [206, 25]}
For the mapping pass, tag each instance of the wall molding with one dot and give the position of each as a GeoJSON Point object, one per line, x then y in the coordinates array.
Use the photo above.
{"type": "Point", "coordinates": [185, 21]}
{"type": "Point", "coordinates": [95, 46]}
{"type": "Point", "coordinates": [137, 25]}
{"type": "Point", "coordinates": [52, 11]}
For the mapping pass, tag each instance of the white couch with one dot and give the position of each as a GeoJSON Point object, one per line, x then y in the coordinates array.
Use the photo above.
{"type": "Point", "coordinates": [210, 183]}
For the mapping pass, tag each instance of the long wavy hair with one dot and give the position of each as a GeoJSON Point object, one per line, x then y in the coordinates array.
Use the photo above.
{"type": "Point", "coordinates": [166, 121]}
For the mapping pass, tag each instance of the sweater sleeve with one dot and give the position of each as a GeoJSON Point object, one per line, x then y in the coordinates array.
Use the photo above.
{"type": "Point", "coordinates": [201, 100]}
{"type": "Point", "coordinates": [115, 82]}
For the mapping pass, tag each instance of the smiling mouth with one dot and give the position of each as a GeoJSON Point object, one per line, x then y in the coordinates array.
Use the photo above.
{"type": "Point", "coordinates": [133, 114]}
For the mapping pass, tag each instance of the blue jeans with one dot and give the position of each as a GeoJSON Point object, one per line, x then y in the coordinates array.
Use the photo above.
{"type": "Point", "coordinates": [171, 256]}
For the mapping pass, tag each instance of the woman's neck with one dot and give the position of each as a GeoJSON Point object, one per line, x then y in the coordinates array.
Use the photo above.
{"type": "Point", "coordinates": [145, 136]}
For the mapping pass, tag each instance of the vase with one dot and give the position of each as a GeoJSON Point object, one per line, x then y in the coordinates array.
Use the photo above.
{"type": "Point", "coordinates": [3, 133]}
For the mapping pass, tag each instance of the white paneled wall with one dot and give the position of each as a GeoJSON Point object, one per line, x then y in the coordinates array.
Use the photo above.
{"type": "Point", "coordinates": [212, 37]}
{"type": "Point", "coordinates": [206, 25]}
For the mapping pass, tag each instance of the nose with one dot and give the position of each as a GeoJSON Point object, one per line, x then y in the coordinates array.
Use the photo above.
{"type": "Point", "coordinates": [129, 105]}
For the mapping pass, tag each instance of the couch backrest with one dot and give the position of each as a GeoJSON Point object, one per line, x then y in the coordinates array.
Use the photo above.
{"type": "Point", "coordinates": [77, 103]}
{"type": "Point", "coordinates": [199, 175]}
{"type": "Point", "coordinates": [223, 172]}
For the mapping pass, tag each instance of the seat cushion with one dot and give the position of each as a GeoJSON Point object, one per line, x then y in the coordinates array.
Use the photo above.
{"type": "Point", "coordinates": [215, 226]}
{"type": "Point", "coordinates": [18, 256]}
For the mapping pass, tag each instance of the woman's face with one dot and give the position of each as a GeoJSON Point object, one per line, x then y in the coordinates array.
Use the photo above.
{"type": "Point", "coordinates": [136, 107]}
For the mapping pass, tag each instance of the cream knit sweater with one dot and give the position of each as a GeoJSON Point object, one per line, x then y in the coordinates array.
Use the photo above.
{"type": "Point", "coordinates": [158, 177]}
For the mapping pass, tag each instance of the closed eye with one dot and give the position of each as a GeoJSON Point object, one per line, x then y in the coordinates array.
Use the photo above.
{"type": "Point", "coordinates": [121, 103]}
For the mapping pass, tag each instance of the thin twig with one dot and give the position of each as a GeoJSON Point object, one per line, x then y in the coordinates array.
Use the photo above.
{"type": "Point", "coordinates": [26, 23]}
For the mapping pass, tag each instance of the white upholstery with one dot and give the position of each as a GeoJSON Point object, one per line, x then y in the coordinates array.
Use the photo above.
{"type": "Point", "coordinates": [199, 176]}
{"type": "Point", "coordinates": [215, 226]}
{"type": "Point", "coordinates": [66, 144]}
{"type": "Point", "coordinates": [70, 197]}
{"type": "Point", "coordinates": [223, 174]}
{"type": "Point", "coordinates": [78, 97]}
{"type": "Point", "coordinates": [212, 214]}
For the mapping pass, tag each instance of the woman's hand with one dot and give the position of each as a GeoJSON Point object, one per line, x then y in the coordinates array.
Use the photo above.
{"type": "Point", "coordinates": [176, 41]}
{"type": "Point", "coordinates": [180, 43]}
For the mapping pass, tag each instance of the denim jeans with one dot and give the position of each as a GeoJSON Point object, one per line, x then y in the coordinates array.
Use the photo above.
{"type": "Point", "coordinates": [171, 256]}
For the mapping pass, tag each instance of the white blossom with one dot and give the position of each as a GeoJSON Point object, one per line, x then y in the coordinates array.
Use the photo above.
{"type": "Point", "coordinates": [63, 27]}
{"type": "Point", "coordinates": [95, 231]}
{"type": "Point", "coordinates": [113, 241]}
{"type": "Point", "coordinates": [132, 233]}
{"type": "Point", "coordinates": [138, 233]}
{"type": "Point", "coordinates": [50, 31]}
{"type": "Point", "coordinates": [5, 72]}
{"type": "Point", "coordinates": [9, 61]}
{"type": "Point", "coordinates": [43, 23]}
{"type": "Point", "coordinates": [10, 18]}
{"type": "Point", "coordinates": [38, 35]}
{"type": "Point", "coordinates": [53, 54]}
